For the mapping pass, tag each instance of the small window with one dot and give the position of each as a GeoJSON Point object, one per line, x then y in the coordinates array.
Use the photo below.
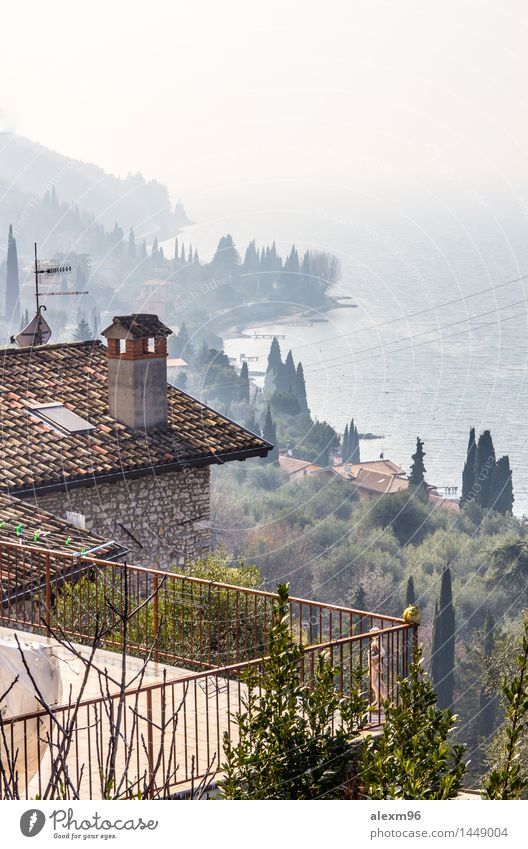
{"type": "Point", "coordinates": [59, 417]}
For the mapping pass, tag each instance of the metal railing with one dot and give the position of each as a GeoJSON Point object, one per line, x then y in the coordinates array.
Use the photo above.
{"type": "Point", "coordinates": [218, 630]}
{"type": "Point", "coordinates": [190, 621]}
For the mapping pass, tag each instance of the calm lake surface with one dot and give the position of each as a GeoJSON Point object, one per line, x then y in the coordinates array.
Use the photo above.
{"type": "Point", "coordinates": [401, 374]}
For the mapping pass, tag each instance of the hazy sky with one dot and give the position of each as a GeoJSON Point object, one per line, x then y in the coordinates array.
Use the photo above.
{"type": "Point", "coordinates": [206, 93]}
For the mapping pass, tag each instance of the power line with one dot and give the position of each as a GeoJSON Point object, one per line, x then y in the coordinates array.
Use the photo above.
{"type": "Point", "coordinates": [415, 314]}
{"type": "Point", "coordinates": [347, 357]}
{"type": "Point", "coordinates": [441, 339]}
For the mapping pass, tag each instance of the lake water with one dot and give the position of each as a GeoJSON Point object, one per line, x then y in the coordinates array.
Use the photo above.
{"type": "Point", "coordinates": [398, 373]}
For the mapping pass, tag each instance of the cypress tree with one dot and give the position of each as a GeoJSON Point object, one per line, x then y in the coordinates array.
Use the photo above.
{"type": "Point", "coordinates": [443, 649]}
{"type": "Point", "coordinates": [468, 474]}
{"type": "Point", "coordinates": [354, 443]}
{"type": "Point", "coordinates": [12, 303]}
{"type": "Point", "coordinates": [289, 375]}
{"type": "Point", "coordinates": [269, 433]}
{"type": "Point", "coordinates": [300, 389]}
{"type": "Point", "coordinates": [484, 470]}
{"type": "Point", "coordinates": [176, 251]}
{"type": "Point", "coordinates": [251, 259]}
{"type": "Point", "coordinates": [502, 489]}
{"type": "Point", "coordinates": [24, 320]}
{"type": "Point", "coordinates": [345, 453]}
{"type": "Point", "coordinates": [417, 476]}
{"type": "Point", "coordinates": [410, 595]}
{"type": "Point", "coordinates": [131, 244]}
{"type": "Point", "coordinates": [274, 367]}
{"type": "Point", "coordinates": [243, 383]}
{"type": "Point", "coordinates": [143, 249]}
{"type": "Point", "coordinates": [488, 702]}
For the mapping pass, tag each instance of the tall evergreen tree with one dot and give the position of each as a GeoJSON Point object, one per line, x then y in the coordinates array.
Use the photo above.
{"type": "Point", "coordinates": [143, 249]}
{"type": "Point", "coordinates": [243, 383]}
{"type": "Point", "coordinates": [269, 433]}
{"type": "Point", "coordinates": [484, 470]}
{"type": "Point", "coordinates": [354, 443]}
{"type": "Point", "coordinates": [180, 344]}
{"type": "Point", "coordinates": [417, 476]}
{"type": "Point", "coordinates": [251, 258]}
{"type": "Point", "coordinates": [410, 595]}
{"type": "Point", "coordinates": [24, 319]}
{"type": "Point", "coordinates": [468, 474]}
{"type": "Point", "coordinates": [443, 648]}
{"type": "Point", "coordinates": [176, 250]}
{"type": "Point", "coordinates": [299, 389]}
{"type": "Point", "coordinates": [488, 702]}
{"type": "Point", "coordinates": [502, 489]}
{"type": "Point", "coordinates": [226, 253]}
{"type": "Point", "coordinates": [274, 368]}
{"type": "Point", "coordinates": [82, 332]}
{"type": "Point", "coordinates": [345, 451]}
{"type": "Point", "coordinates": [12, 303]}
{"type": "Point", "coordinates": [288, 375]}
{"type": "Point", "coordinates": [131, 244]}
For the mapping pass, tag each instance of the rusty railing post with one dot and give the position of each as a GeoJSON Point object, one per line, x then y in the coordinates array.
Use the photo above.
{"type": "Point", "coordinates": [156, 620]}
{"type": "Point", "coordinates": [48, 594]}
{"type": "Point", "coordinates": [150, 740]}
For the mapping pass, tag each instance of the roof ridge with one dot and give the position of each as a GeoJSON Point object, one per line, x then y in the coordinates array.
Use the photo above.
{"type": "Point", "coordinates": [54, 346]}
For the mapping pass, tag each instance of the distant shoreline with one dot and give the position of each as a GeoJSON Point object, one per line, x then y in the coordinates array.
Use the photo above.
{"type": "Point", "coordinates": [238, 330]}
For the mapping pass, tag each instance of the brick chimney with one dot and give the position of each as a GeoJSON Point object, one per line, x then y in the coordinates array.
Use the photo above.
{"type": "Point", "coordinates": [137, 370]}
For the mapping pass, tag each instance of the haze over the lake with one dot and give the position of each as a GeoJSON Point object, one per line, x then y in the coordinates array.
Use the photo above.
{"type": "Point", "coordinates": [207, 96]}
{"type": "Point", "coordinates": [392, 135]}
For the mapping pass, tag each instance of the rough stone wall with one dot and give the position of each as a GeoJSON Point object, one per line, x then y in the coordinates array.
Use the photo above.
{"type": "Point", "coordinates": [156, 518]}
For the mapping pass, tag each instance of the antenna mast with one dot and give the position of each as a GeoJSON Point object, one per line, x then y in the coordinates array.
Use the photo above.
{"type": "Point", "coordinates": [38, 331]}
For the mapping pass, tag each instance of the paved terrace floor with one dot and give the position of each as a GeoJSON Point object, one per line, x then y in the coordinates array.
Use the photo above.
{"type": "Point", "coordinates": [206, 706]}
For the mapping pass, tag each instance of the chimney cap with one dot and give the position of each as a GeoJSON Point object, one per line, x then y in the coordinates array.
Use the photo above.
{"type": "Point", "coordinates": [136, 326]}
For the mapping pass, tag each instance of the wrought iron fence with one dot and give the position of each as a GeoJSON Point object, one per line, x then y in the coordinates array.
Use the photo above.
{"type": "Point", "coordinates": [192, 622]}
{"type": "Point", "coordinates": [219, 631]}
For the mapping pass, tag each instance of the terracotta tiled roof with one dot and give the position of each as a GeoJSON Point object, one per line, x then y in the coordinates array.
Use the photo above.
{"type": "Point", "coordinates": [291, 465]}
{"type": "Point", "coordinates": [384, 466]}
{"type": "Point", "coordinates": [34, 455]}
{"type": "Point", "coordinates": [379, 482]}
{"type": "Point", "coordinates": [23, 522]}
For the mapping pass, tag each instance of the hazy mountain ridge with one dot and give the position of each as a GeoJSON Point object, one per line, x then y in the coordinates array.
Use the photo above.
{"type": "Point", "coordinates": [28, 170]}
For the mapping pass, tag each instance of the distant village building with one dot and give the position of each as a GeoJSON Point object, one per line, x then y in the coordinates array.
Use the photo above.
{"type": "Point", "coordinates": [296, 469]}
{"type": "Point", "coordinates": [370, 479]}
{"type": "Point", "coordinates": [97, 433]}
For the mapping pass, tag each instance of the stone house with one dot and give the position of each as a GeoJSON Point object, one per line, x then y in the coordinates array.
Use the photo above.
{"type": "Point", "coordinates": [96, 436]}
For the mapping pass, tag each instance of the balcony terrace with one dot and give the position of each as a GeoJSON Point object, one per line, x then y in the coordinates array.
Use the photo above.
{"type": "Point", "coordinates": [187, 644]}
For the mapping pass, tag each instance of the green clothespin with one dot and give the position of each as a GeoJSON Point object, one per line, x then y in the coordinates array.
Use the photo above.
{"type": "Point", "coordinates": [2, 524]}
{"type": "Point", "coordinates": [83, 551]}
{"type": "Point", "coordinates": [68, 541]}
{"type": "Point", "coordinates": [36, 536]}
{"type": "Point", "coordinates": [18, 530]}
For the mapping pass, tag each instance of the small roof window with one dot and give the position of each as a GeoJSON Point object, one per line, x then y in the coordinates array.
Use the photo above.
{"type": "Point", "coordinates": [60, 418]}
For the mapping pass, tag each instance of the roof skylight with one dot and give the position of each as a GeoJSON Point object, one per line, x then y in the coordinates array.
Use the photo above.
{"type": "Point", "coordinates": [60, 418]}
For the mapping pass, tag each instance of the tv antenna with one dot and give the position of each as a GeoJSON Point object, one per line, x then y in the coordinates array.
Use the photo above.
{"type": "Point", "coordinates": [38, 331]}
